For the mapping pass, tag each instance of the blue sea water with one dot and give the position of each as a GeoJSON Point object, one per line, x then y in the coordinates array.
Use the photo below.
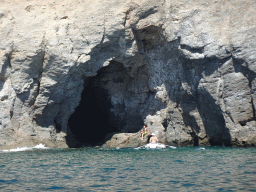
{"type": "Point", "coordinates": [100, 169]}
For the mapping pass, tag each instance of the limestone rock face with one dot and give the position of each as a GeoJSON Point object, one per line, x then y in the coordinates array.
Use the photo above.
{"type": "Point", "coordinates": [186, 69]}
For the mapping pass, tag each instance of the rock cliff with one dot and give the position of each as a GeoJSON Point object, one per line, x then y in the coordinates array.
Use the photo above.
{"type": "Point", "coordinates": [185, 68]}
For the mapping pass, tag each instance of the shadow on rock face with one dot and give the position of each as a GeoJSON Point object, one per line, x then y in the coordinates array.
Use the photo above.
{"type": "Point", "coordinates": [213, 119]}
{"type": "Point", "coordinates": [190, 120]}
{"type": "Point", "coordinates": [211, 115]}
{"type": "Point", "coordinates": [188, 105]}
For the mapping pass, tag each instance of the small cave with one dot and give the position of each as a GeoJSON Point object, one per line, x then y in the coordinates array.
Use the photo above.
{"type": "Point", "coordinates": [90, 123]}
{"type": "Point", "coordinates": [151, 37]}
{"type": "Point", "coordinates": [102, 110]}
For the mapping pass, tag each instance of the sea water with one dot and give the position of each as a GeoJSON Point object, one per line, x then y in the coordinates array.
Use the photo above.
{"type": "Point", "coordinates": [128, 169]}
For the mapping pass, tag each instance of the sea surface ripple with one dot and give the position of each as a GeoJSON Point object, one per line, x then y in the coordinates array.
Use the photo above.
{"type": "Point", "coordinates": [101, 169]}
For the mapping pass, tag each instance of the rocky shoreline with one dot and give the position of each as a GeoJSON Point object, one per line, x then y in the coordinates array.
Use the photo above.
{"type": "Point", "coordinates": [186, 69]}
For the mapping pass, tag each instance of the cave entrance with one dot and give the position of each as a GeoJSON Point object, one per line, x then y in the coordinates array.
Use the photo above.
{"type": "Point", "coordinates": [90, 123]}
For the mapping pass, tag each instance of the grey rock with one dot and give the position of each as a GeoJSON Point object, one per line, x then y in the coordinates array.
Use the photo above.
{"type": "Point", "coordinates": [185, 69]}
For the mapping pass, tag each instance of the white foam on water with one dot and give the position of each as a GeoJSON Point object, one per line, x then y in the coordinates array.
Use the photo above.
{"type": "Point", "coordinates": [39, 146]}
{"type": "Point", "coordinates": [173, 147]}
{"type": "Point", "coordinates": [18, 149]}
{"type": "Point", "coordinates": [200, 148]}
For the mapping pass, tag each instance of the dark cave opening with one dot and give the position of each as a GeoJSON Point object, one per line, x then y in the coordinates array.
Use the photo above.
{"type": "Point", "coordinates": [90, 123]}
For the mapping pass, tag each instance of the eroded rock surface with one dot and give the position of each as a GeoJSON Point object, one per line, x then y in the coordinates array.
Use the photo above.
{"type": "Point", "coordinates": [186, 69]}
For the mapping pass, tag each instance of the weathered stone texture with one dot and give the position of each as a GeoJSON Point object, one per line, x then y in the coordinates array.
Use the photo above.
{"type": "Point", "coordinates": [186, 69]}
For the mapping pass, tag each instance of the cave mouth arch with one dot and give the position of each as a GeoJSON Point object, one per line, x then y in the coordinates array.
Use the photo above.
{"type": "Point", "coordinates": [92, 120]}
